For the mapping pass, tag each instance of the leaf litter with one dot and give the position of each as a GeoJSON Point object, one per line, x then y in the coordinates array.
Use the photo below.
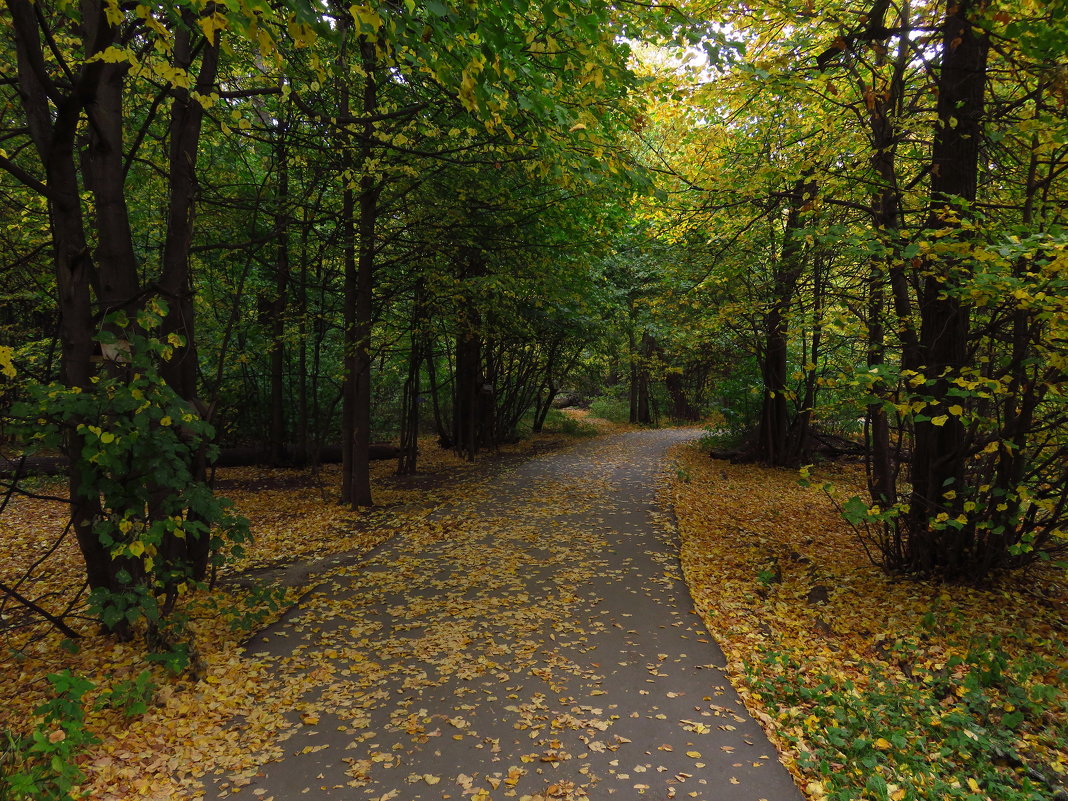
{"type": "Point", "coordinates": [504, 619]}
{"type": "Point", "coordinates": [873, 687]}
{"type": "Point", "coordinates": [214, 717]}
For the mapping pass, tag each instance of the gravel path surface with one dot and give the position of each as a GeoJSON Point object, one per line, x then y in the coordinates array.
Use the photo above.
{"type": "Point", "coordinates": [534, 640]}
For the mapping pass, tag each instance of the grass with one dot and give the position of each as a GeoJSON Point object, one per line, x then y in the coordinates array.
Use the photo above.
{"type": "Point", "coordinates": [615, 410]}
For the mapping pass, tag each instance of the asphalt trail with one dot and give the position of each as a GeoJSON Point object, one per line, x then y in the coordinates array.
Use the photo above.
{"type": "Point", "coordinates": [533, 640]}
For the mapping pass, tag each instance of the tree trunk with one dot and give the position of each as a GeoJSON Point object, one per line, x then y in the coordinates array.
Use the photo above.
{"type": "Point", "coordinates": [175, 283]}
{"type": "Point", "coordinates": [53, 128]}
{"type": "Point", "coordinates": [939, 457]}
{"type": "Point", "coordinates": [117, 284]}
{"type": "Point", "coordinates": [468, 411]}
{"type": "Point", "coordinates": [772, 447]}
{"type": "Point", "coordinates": [642, 410]}
{"type": "Point", "coordinates": [432, 377]}
{"type": "Point", "coordinates": [800, 427]}
{"type": "Point", "coordinates": [885, 215]}
{"type": "Point", "coordinates": [411, 399]}
{"type": "Point", "coordinates": [467, 386]}
{"type": "Point", "coordinates": [277, 427]}
{"type": "Point", "coordinates": [369, 192]}
{"type": "Point", "coordinates": [303, 408]}
{"type": "Point", "coordinates": [348, 247]}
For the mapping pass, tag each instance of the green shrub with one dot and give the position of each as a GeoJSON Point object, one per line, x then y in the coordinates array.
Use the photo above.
{"type": "Point", "coordinates": [952, 733]}
{"type": "Point", "coordinates": [560, 423]}
{"type": "Point", "coordinates": [42, 766]}
{"type": "Point", "coordinates": [135, 446]}
{"type": "Point", "coordinates": [617, 410]}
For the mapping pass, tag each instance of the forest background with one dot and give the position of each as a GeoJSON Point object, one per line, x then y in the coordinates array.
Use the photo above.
{"type": "Point", "coordinates": [288, 233]}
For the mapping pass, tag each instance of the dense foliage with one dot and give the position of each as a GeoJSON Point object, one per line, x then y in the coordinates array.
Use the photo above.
{"type": "Point", "coordinates": [298, 229]}
{"type": "Point", "coordinates": [287, 233]}
{"type": "Point", "coordinates": [866, 232]}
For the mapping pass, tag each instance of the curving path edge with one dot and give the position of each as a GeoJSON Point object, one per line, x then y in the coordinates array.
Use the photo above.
{"type": "Point", "coordinates": [534, 640]}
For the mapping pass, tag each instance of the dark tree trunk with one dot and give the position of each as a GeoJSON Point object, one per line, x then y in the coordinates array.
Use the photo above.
{"type": "Point", "coordinates": [411, 399]}
{"type": "Point", "coordinates": [801, 426]}
{"type": "Point", "coordinates": [772, 446]}
{"type": "Point", "coordinates": [277, 427]}
{"type": "Point", "coordinates": [348, 391]}
{"type": "Point", "coordinates": [409, 433]}
{"type": "Point", "coordinates": [939, 457]}
{"type": "Point", "coordinates": [303, 408]}
{"type": "Point", "coordinates": [360, 491]}
{"type": "Point", "coordinates": [632, 363]}
{"type": "Point", "coordinates": [467, 386]}
{"type": "Point", "coordinates": [432, 376]}
{"type": "Point", "coordinates": [175, 283]}
{"type": "Point", "coordinates": [117, 284]}
{"type": "Point", "coordinates": [350, 336]}
{"type": "Point", "coordinates": [468, 411]}
{"type": "Point", "coordinates": [53, 120]}
{"type": "Point", "coordinates": [886, 212]}
{"type": "Point", "coordinates": [642, 409]}
{"type": "Point", "coordinates": [542, 406]}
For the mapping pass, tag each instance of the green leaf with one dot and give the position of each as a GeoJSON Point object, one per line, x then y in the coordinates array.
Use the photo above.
{"type": "Point", "coordinates": [855, 510]}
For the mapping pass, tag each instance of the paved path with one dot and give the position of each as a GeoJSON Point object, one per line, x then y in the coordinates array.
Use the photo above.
{"type": "Point", "coordinates": [534, 642]}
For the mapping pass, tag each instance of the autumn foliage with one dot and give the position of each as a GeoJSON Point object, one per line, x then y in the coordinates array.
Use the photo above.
{"type": "Point", "coordinates": [876, 687]}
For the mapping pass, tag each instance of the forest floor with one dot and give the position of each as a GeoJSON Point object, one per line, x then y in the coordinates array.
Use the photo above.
{"type": "Point", "coordinates": [298, 526]}
{"type": "Point", "coordinates": [523, 634]}
{"type": "Point", "coordinates": [871, 687]}
{"type": "Point", "coordinates": [875, 687]}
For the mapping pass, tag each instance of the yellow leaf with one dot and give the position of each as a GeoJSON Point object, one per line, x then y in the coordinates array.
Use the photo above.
{"type": "Point", "coordinates": [940, 420]}
{"type": "Point", "coordinates": [113, 13]}
{"type": "Point", "coordinates": [210, 24]}
{"type": "Point", "coordinates": [7, 363]}
{"type": "Point", "coordinates": [113, 55]}
{"type": "Point", "coordinates": [467, 91]}
{"type": "Point", "coordinates": [578, 126]}
{"type": "Point", "coordinates": [956, 410]}
{"type": "Point", "coordinates": [883, 744]}
{"type": "Point", "coordinates": [365, 15]}
{"type": "Point", "coordinates": [136, 548]}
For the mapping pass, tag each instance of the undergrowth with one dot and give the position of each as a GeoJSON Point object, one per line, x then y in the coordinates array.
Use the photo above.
{"type": "Point", "coordinates": [556, 420]}
{"type": "Point", "coordinates": [873, 687]}
{"type": "Point", "coordinates": [959, 732]}
{"type": "Point", "coordinates": [615, 410]}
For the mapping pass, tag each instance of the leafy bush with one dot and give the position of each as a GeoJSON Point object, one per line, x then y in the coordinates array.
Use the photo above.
{"type": "Point", "coordinates": [617, 410]}
{"type": "Point", "coordinates": [556, 420]}
{"type": "Point", "coordinates": [131, 697]}
{"type": "Point", "coordinates": [135, 444]}
{"type": "Point", "coordinates": [43, 766]}
{"type": "Point", "coordinates": [720, 438]}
